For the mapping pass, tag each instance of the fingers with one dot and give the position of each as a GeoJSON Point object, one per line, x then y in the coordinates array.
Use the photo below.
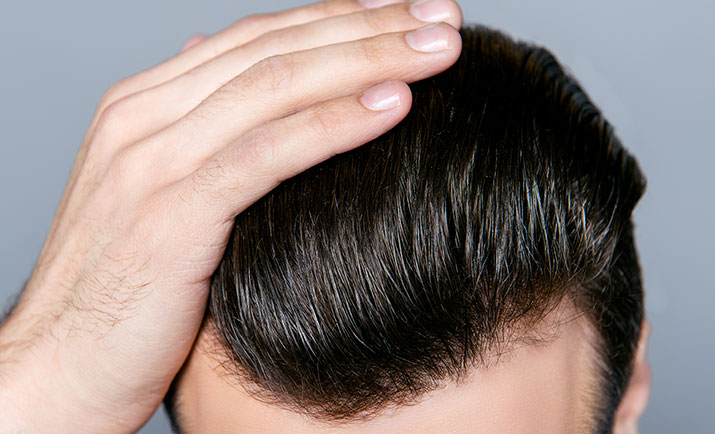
{"type": "Point", "coordinates": [239, 33]}
{"type": "Point", "coordinates": [173, 99]}
{"type": "Point", "coordinates": [253, 165]}
{"type": "Point", "coordinates": [279, 86]}
{"type": "Point", "coordinates": [235, 35]}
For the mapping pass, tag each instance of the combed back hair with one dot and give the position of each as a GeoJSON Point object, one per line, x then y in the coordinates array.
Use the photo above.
{"type": "Point", "coordinates": [385, 271]}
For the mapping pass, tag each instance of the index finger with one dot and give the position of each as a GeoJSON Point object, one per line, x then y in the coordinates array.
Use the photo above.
{"type": "Point", "coordinates": [242, 31]}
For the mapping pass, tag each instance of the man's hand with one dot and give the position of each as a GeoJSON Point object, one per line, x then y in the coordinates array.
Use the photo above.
{"type": "Point", "coordinates": [172, 156]}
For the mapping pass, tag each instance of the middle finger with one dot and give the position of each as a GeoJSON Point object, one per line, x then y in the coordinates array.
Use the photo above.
{"type": "Point", "coordinates": [162, 105]}
{"type": "Point", "coordinates": [295, 81]}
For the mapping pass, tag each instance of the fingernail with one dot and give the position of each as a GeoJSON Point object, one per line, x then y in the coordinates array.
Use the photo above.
{"type": "Point", "coordinates": [382, 97]}
{"type": "Point", "coordinates": [431, 11]}
{"type": "Point", "coordinates": [371, 4]}
{"type": "Point", "coordinates": [193, 41]}
{"type": "Point", "coordinates": [428, 39]}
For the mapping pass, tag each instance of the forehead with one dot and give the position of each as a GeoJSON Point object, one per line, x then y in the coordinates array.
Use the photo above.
{"type": "Point", "coordinates": [534, 388]}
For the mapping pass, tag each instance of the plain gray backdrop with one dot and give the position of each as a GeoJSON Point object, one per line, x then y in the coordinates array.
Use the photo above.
{"type": "Point", "coordinates": [648, 64]}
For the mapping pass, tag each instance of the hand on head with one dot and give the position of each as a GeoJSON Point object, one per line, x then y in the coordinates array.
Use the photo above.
{"type": "Point", "coordinates": [173, 154]}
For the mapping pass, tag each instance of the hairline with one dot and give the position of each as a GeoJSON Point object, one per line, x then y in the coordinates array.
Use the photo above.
{"type": "Point", "coordinates": [592, 396]}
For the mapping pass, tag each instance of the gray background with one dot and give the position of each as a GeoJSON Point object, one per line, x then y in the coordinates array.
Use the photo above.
{"type": "Point", "coordinates": [648, 64]}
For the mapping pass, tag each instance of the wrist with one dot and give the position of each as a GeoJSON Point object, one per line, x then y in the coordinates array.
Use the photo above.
{"type": "Point", "coordinates": [44, 384]}
{"type": "Point", "coordinates": [27, 397]}
{"type": "Point", "coordinates": [35, 390]}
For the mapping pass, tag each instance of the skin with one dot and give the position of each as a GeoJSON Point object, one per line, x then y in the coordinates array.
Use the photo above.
{"type": "Point", "coordinates": [114, 305]}
{"type": "Point", "coordinates": [531, 388]}
{"type": "Point", "coordinates": [547, 387]}
{"type": "Point", "coordinates": [173, 154]}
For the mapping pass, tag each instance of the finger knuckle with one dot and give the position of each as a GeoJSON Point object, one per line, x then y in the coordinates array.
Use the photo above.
{"type": "Point", "coordinates": [375, 20]}
{"type": "Point", "coordinates": [274, 40]}
{"type": "Point", "coordinates": [114, 121]}
{"type": "Point", "coordinates": [207, 111]}
{"type": "Point", "coordinates": [324, 121]}
{"type": "Point", "coordinates": [336, 7]}
{"type": "Point", "coordinates": [213, 182]}
{"type": "Point", "coordinates": [273, 73]}
{"type": "Point", "coordinates": [257, 154]}
{"type": "Point", "coordinates": [120, 165]}
{"type": "Point", "coordinates": [128, 170]}
{"type": "Point", "coordinates": [115, 92]}
{"type": "Point", "coordinates": [251, 22]}
{"type": "Point", "coordinates": [371, 51]}
{"type": "Point", "coordinates": [209, 174]}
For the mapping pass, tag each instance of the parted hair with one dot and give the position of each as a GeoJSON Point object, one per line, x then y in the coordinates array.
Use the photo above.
{"type": "Point", "coordinates": [385, 271]}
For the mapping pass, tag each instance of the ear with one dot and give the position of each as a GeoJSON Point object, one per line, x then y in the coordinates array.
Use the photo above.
{"type": "Point", "coordinates": [635, 398]}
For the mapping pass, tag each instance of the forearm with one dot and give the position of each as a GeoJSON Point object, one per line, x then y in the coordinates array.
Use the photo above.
{"type": "Point", "coordinates": [41, 391]}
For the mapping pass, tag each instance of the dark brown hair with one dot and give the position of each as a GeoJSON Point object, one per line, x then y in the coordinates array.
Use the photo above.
{"type": "Point", "coordinates": [379, 274]}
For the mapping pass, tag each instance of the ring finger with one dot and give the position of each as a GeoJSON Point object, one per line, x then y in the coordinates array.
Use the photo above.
{"type": "Point", "coordinates": [160, 106]}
